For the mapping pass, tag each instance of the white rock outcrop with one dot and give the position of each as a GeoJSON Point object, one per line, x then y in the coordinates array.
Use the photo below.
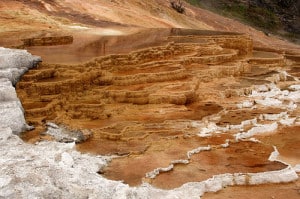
{"type": "Point", "coordinates": [256, 130]}
{"type": "Point", "coordinates": [13, 64]}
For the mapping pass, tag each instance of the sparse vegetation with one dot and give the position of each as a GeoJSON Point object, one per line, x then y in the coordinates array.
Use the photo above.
{"type": "Point", "coordinates": [277, 17]}
{"type": "Point", "coordinates": [263, 18]}
{"type": "Point", "coordinates": [194, 2]}
{"type": "Point", "coordinates": [257, 16]}
{"type": "Point", "coordinates": [178, 6]}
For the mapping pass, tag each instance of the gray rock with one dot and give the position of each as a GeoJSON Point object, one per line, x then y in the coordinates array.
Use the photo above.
{"type": "Point", "coordinates": [11, 110]}
{"type": "Point", "coordinates": [12, 115]}
{"type": "Point", "coordinates": [63, 134]}
{"type": "Point", "coordinates": [7, 91]}
{"type": "Point", "coordinates": [13, 64]}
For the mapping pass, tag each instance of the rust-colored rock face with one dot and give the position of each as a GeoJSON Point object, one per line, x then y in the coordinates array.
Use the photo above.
{"type": "Point", "coordinates": [179, 103]}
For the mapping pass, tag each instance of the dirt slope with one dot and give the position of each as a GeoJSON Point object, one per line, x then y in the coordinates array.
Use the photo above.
{"type": "Point", "coordinates": [30, 18]}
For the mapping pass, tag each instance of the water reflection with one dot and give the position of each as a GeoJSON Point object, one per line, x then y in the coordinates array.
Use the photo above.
{"type": "Point", "coordinates": [87, 46]}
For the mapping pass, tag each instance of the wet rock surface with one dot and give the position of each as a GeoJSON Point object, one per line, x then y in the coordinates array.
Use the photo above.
{"type": "Point", "coordinates": [164, 104]}
{"type": "Point", "coordinates": [160, 106]}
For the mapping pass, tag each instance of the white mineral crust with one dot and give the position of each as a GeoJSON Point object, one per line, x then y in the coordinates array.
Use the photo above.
{"type": "Point", "coordinates": [13, 64]}
{"type": "Point", "coordinates": [258, 129]}
{"type": "Point", "coordinates": [295, 87]}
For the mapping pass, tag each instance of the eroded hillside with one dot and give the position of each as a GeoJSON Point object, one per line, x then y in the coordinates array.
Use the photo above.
{"type": "Point", "coordinates": [24, 19]}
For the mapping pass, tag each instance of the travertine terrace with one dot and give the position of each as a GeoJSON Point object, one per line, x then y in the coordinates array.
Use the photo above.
{"type": "Point", "coordinates": [157, 105]}
{"type": "Point", "coordinates": [134, 100]}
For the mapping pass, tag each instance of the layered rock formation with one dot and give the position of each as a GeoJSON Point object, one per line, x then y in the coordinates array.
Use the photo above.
{"type": "Point", "coordinates": [179, 112]}
{"type": "Point", "coordinates": [47, 41]}
{"type": "Point", "coordinates": [160, 106]}
{"type": "Point", "coordinates": [50, 169]}
{"type": "Point", "coordinates": [168, 74]}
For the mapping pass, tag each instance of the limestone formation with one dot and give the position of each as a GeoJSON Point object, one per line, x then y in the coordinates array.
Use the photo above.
{"type": "Point", "coordinates": [167, 74]}
{"type": "Point", "coordinates": [162, 112]}
{"type": "Point", "coordinates": [13, 64]}
{"type": "Point", "coordinates": [157, 107]}
{"type": "Point", "coordinates": [165, 103]}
